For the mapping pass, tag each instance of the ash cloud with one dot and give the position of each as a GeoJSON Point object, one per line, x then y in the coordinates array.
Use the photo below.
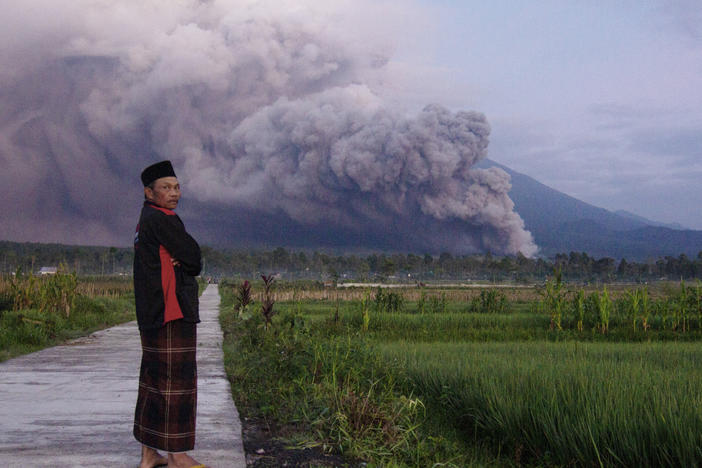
{"type": "Point", "coordinates": [270, 114]}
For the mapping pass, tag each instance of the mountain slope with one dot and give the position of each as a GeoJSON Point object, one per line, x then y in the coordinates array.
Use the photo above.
{"type": "Point", "coordinates": [627, 214]}
{"type": "Point", "coordinates": [561, 223]}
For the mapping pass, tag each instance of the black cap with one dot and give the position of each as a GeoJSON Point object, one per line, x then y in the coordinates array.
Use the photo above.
{"type": "Point", "coordinates": [156, 171]}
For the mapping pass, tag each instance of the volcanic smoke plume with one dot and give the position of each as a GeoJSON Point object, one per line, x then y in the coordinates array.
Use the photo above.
{"type": "Point", "coordinates": [272, 115]}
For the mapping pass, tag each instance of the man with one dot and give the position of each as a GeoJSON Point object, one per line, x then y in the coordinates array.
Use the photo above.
{"type": "Point", "coordinates": [166, 261]}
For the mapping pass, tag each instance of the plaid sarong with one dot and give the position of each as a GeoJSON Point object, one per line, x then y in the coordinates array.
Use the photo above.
{"type": "Point", "coordinates": [165, 411]}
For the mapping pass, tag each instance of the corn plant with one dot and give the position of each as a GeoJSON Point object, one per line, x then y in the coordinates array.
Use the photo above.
{"type": "Point", "coordinates": [379, 300]}
{"type": "Point", "coordinates": [662, 312]}
{"type": "Point", "coordinates": [51, 295]}
{"type": "Point", "coordinates": [58, 293]}
{"type": "Point", "coordinates": [438, 304]}
{"type": "Point", "coordinates": [634, 306]}
{"type": "Point", "coordinates": [697, 302]}
{"type": "Point", "coordinates": [579, 308]}
{"type": "Point", "coordinates": [489, 302]}
{"type": "Point", "coordinates": [645, 309]}
{"type": "Point", "coordinates": [554, 298]}
{"type": "Point", "coordinates": [23, 288]}
{"type": "Point", "coordinates": [681, 309]}
{"type": "Point", "coordinates": [386, 301]}
{"type": "Point", "coordinates": [604, 307]}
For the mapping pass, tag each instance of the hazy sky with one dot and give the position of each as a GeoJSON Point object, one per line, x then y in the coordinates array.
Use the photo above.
{"type": "Point", "coordinates": [599, 99]}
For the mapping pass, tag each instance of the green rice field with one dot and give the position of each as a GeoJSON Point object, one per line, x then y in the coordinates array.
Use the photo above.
{"type": "Point", "coordinates": [470, 386]}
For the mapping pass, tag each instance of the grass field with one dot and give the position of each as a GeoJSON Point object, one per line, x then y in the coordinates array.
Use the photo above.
{"type": "Point", "coordinates": [567, 403]}
{"type": "Point", "coordinates": [469, 384]}
{"type": "Point", "coordinates": [43, 318]}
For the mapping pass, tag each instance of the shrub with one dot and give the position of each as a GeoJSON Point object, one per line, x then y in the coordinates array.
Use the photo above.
{"type": "Point", "coordinates": [388, 301]}
{"type": "Point", "coordinates": [490, 301]}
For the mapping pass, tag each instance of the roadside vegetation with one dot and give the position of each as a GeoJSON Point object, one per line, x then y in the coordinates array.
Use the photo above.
{"type": "Point", "coordinates": [41, 311]}
{"type": "Point", "coordinates": [554, 375]}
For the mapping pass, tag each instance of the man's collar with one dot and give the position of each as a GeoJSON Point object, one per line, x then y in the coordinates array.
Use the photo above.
{"type": "Point", "coordinates": [159, 208]}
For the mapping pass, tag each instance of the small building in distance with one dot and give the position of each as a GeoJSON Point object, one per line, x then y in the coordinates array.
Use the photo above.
{"type": "Point", "coordinates": [48, 270]}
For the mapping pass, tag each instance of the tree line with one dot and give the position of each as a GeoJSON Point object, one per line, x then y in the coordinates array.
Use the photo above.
{"type": "Point", "coordinates": [319, 265]}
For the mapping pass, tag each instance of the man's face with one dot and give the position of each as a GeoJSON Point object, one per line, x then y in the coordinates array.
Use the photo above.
{"type": "Point", "coordinates": [166, 192]}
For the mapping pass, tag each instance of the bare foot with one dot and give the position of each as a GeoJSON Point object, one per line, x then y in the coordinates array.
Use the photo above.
{"type": "Point", "coordinates": [181, 460]}
{"type": "Point", "coordinates": [150, 458]}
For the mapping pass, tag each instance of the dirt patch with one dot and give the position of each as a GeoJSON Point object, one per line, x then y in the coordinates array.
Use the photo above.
{"type": "Point", "coordinates": [265, 448]}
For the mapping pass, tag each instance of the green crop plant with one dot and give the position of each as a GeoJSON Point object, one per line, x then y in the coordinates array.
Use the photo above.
{"type": "Point", "coordinates": [388, 302]}
{"type": "Point", "coordinates": [365, 312]}
{"type": "Point", "coordinates": [681, 308]}
{"type": "Point", "coordinates": [579, 309]}
{"type": "Point", "coordinates": [634, 306]}
{"type": "Point", "coordinates": [604, 308]}
{"type": "Point", "coordinates": [501, 382]}
{"type": "Point", "coordinates": [645, 308]}
{"type": "Point", "coordinates": [434, 305]}
{"type": "Point", "coordinates": [58, 292]}
{"type": "Point", "coordinates": [489, 301]}
{"type": "Point", "coordinates": [697, 302]}
{"type": "Point", "coordinates": [296, 318]}
{"type": "Point", "coordinates": [396, 302]}
{"type": "Point", "coordinates": [55, 294]}
{"type": "Point", "coordinates": [23, 289]}
{"type": "Point", "coordinates": [49, 310]}
{"type": "Point", "coordinates": [438, 304]}
{"type": "Point", "coordinates": [619, 403]}
{"type": "Point", "coordinates": [422, 302]}
{"type": "Point", "coordinates": [336, 310]}
{"type": "Point", "coordinates": [554, 299]}
{"type": "Point", "coordinates": [379, 300]}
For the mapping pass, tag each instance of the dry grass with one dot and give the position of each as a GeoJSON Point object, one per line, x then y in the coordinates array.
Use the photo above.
{"type": "Point", "coordinates": [410, 293]}
{"type": "Point", "coordinates": [105, 286]}
{"type": "Point", "coordinates": [92, 286]}
{"type": "Point", "coordinates": [464, 292]}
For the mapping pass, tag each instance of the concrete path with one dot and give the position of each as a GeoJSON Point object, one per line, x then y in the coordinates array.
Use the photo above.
{"type": "Point", "coordinates": [73, 405]}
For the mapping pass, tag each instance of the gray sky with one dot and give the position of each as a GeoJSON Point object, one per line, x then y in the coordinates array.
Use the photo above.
{"type": "Point", "coordinates": [598, 99]}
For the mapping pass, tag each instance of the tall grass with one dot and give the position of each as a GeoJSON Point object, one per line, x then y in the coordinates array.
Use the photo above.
{"type": "Point", "coordinates": [567, 403]}
{"type": "Point", "coordinates": [39, 312]}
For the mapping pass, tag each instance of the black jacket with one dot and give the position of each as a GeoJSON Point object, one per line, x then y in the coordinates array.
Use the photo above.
{"type": "Point", "coordinates": [163, 292]}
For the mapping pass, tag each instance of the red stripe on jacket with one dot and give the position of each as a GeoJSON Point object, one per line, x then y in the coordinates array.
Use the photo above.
{"type": "Point", "coordinates": [168, 283]}
{"type": "Point", "coordinates": [163, 210]}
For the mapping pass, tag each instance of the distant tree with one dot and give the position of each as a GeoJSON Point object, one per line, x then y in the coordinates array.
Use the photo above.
{"type": "Point", "coordinates": [281, 258]}
{"type": "Point", "coordinates": [388, 267]}
{"type": "Point", "coordinates": [412, 263]}
{"type": "Point", "coordinates": [623, 270]}
{"type": "Point", "coordinates": [604, 267]}
{"type": "Point", "coordinates": [445, 257]}
{"type": "Point", "coordinates": [372, 262]}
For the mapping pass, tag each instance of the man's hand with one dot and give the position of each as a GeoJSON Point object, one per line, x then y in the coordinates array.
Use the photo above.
{"type": "Point", "coordinates": [175, 262]}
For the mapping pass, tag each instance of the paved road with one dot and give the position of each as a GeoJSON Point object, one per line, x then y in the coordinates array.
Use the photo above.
{"type": "Point", "coordinates": [73, 405]}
